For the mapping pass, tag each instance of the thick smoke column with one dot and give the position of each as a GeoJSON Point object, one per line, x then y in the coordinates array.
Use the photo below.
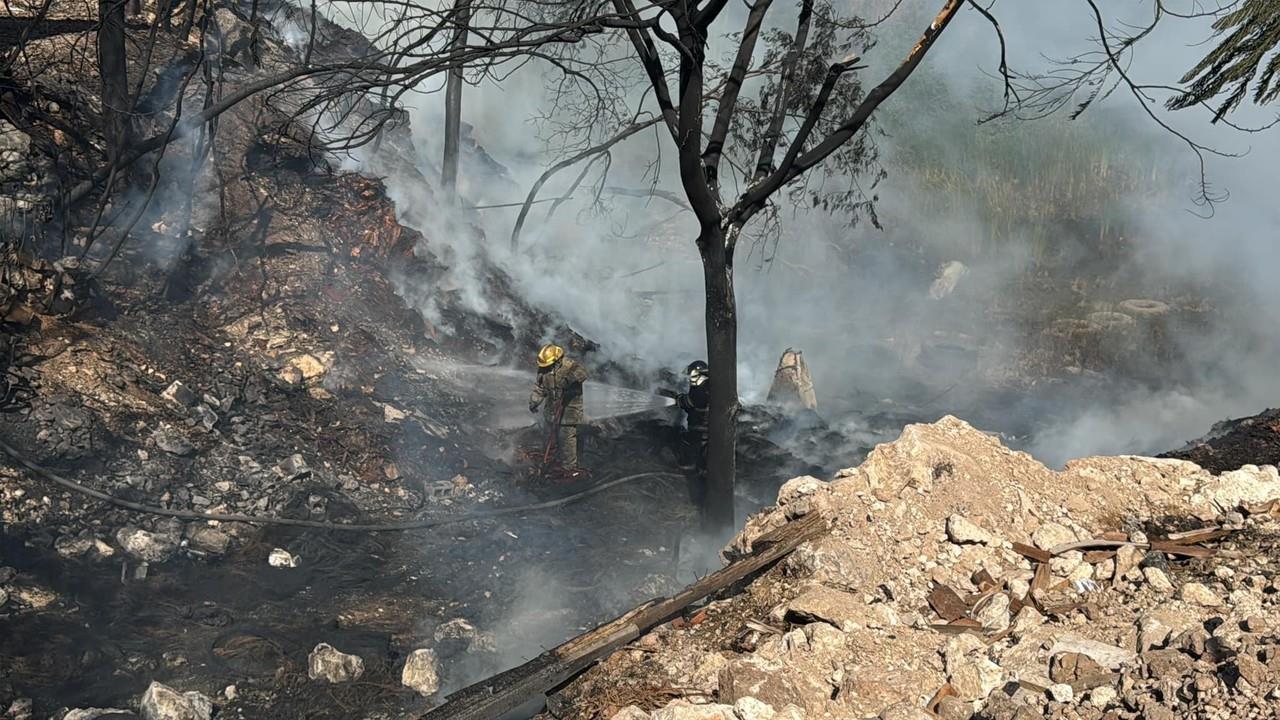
{"type": "Point", "coordinates": [856, 298]}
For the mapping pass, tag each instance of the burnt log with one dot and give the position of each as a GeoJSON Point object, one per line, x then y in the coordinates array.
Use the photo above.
{"type": "Point", "coordinates": [491, 698]}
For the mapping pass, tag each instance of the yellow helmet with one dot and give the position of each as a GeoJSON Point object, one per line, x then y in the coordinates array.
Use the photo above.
{"type": "Point", "coordinates": [549, 355]}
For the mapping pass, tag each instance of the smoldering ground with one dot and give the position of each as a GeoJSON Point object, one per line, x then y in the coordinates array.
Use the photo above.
{"type": "Point", "coordinates": [856, 298]}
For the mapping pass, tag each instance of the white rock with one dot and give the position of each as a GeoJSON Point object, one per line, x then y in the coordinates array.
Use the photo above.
{"type": "Point", "coordinates": [91, 713]}
{"type": "Point", "coordinates": [1051, 535]}
{"type": "Point", "coordinates": [994, 614]}
{"type": "Point", "coordinates": [976, 679]}
{"type": "Point", "coordinates": [280, 558]}
{"type": "Point", "coordinates": [630, 712]}
{"type": "Point", "coordinates": [905, 710]}
{"type": "Point", "coordinates": [392, 414]}
{"type": "Point", "coordinates": [1027, 620]}
{"type": "Point", "coordinates": [161, 702]}
{"type": "Point", "coordinates": [962, 531]}
{"type": "Point", "coordinates": [1062, 692]}
{"type": "Point", "coordinates": [1250, 485]}
{"type": "Point", "coordinates": [1103, 697]}
{"type": "Point", "coordinates": [1158, 581]}
{"type": "Point", "coordinates": [1197, 594]}
{"type": "Point", "coordinates": [749, 708]}
{"type": "Point", "coordinates": [1108, 656]}
{"type": "Point", "coordinates": [327, 663]}
{"type": "Point", "coordinates": [144, 545]}
{"type": "Point", "coordinates": [1152, 634]}
{"type": "Point", "coordinates": [420, 672]}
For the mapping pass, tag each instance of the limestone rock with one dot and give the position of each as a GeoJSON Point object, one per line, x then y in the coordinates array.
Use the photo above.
{"type": "Point", "coordinates": [905, 710]}
{"type": "Point", "coordinates": [994, 614]}
{"type": "Point", "coordinates": [94, 713]}
{"type": "Point", "coordinates": [1108, 656]}
{"type": "Point", "coordinates": [209, 540]}
{"type": "Point", "coordinates": [770, 682]}
{"type": "Point", "coordinates": [420, 673]}
{"type": "Point", "coordinates": [749, 708]}
{"type": "Point", "coordinates": [1050, 535]}
{"type": "Point", "coordinates": [630, 712]}
{"type": "Point", "coordinates": [145, 545]}
{"type": "Point", "coordinates": [1250, 485]}
{"type": "Point", "coordinates": [976, 679]}
{"type": "Point", "coordinates": [327, 663]}
{"type": "Point", "coordinates": [1103, 697]}
{"type": "Point", "coordinates": [161, 702]}
{"type": "Point", "coordinates": [281, 558]}
{"type": "Point", "coordinates": [1062, 693]}
{"type": "Point", "coordinates": [962, 531]}
{"type": "Point", "coordinates": [1158, 581]}
{"type": "Point", "coordinates": [823, 604]}
{"type": "Point", "coordinates": [1196, 593]}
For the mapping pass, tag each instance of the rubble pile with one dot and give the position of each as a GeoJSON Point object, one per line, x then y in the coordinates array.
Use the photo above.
{"type": "Point", "coordinates": [960, 579]}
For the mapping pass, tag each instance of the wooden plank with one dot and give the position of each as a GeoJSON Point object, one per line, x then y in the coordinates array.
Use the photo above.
{"type": "Point", "coordinates": [1032, 553]}
{"type": "Point", "coordinates": [490, 699]}
{"type": "Point", "coordinates": [1172, 548]}
{"type": "Point", "coordinates": [947, 603]}
{"type": "Point", "coordinates": [1198, 535]}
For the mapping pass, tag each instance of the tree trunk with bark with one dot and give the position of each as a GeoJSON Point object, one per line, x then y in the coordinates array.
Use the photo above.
{"type": "Point", "coordinates": [113, 69]}
{"type": "Point", "coordinates": [722, 356]}
{"type": "Point", "coordinates": [453, 105]}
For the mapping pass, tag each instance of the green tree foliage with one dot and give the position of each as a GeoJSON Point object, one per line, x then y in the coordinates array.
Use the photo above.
{"type": "Point", "coordinates": [1246, 56]}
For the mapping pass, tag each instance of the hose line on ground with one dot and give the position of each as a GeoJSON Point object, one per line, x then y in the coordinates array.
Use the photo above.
{"type": "Point", "coordinates": [259, 520]}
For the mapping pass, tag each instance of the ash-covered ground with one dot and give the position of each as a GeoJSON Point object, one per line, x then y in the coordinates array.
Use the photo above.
{"type": "Point", "coordinates": [303, 351]}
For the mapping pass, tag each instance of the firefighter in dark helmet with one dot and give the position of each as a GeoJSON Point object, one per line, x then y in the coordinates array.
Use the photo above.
{"type": "Point", "coordinates": [696, 403]}
{"type": "Point", "coordinates": [557, 391]}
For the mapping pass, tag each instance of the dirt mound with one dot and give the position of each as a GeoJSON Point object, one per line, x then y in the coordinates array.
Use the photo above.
{"type": "Point", "coordinates": [963, 578]}
{"type": "Point", "coordinates": [1231, 444]}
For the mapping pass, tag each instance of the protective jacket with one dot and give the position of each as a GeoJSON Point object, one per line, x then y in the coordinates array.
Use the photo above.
{"type": "Point", "coordinates": [696, 403]}
{"type": "Point", "coordinates": [560, 383]}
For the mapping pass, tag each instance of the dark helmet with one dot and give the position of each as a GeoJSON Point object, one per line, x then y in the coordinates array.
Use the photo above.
{"type": "Point", "coordinates": [698, 372]}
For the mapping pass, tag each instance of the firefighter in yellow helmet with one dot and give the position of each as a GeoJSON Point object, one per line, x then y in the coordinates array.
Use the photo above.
{"type": "Point", "coordinates": [558, 392]}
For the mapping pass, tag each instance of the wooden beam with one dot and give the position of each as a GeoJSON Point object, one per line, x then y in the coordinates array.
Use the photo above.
{"type": "Point", "coordinates": [490, 699]}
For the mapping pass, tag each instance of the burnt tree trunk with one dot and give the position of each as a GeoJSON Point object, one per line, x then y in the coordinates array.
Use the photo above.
{"type": "Point", "coordinates": [722, 356]}
{"type": "Point", "coordinates": [453, 104]}
{"type": "Point", "coordinates": [113, 69]}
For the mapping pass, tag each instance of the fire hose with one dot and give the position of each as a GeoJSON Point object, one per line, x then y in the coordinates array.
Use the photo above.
{"type": "Point", "coordinates": [421, 524]}
{"type": "Point", "coordinates": [553, 433]}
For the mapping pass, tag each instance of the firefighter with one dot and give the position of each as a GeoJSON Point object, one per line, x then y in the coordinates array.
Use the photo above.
{"type": "Point", "coordinates": [696, 402]}
{"type": "Point", "coordinates": [558, 392]}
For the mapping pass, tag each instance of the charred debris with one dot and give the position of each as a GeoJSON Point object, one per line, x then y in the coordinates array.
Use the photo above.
{"type": "Point", "coordinates": [257, 463]}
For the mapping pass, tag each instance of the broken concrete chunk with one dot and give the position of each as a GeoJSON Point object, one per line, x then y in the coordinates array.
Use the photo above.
{"type": "Point", "coordinates": [1073, 667]}
{"type": "Point", "coordinates": [161, 702]}
{"type": "Point", "coordinates": [768, 681]}
{"type": "Point", "coordinates": [327, 663]}
{"type": "Point", "coordinates": [145, 545]}
{"type": "Point", "coordinates": [962, 531]}
{"type": "Point", "coordinates": [421, 673]}
{"type": "Point", "coordinates": [630, 712]}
